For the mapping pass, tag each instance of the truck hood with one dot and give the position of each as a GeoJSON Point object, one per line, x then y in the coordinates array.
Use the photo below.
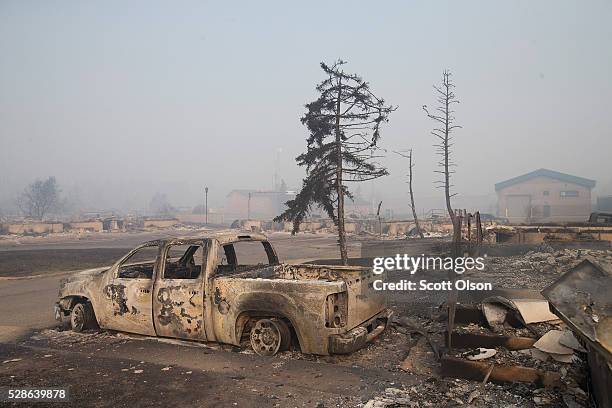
{"type": "Point", "coordinates": [80, 278]}
{"type": "Point", "coordinates": [88, 273]}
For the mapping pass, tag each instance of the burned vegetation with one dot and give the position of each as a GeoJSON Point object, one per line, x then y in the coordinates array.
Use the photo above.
{"type": "Point", "coordinates": [344, 130]}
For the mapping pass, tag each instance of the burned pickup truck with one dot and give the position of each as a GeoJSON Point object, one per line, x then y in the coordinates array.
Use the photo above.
{"type": "Point", "coordinates": [229, 288]}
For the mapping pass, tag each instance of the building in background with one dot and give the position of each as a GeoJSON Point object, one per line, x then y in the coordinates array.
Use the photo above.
{"type": "Point", "coordinates": [544, 196]}
{"type": "Point", "coordinates": [256, 204]}
{"type": "Point", "coordinates": [604, 204]}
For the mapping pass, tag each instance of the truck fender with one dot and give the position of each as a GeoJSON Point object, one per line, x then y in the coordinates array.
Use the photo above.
{"type": "Point", "coordinates": [269, 305]}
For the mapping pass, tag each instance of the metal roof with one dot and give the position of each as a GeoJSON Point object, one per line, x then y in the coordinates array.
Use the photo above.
{"type": "Point", "coordinates": [546, 173]}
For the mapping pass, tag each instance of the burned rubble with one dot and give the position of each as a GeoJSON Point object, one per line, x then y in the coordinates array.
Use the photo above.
{"type": "Point", "coordinates": [508, 349]}
{"type": "Point", "coordinates": [537, 268]}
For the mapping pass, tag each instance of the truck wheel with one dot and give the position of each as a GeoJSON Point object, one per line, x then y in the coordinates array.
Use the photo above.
{"type": "Point", "coordinates": [285, 334]}
{"type": "Point", "coordinates": [268, 336]}
{"type": "Point", "coordinates": [82, 317]}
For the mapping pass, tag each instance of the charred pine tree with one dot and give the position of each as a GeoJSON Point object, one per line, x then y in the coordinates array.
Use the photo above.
{"type": "Point", "coordinates": [344, 126]}
{"type": "Point", "coordinates": [412, 206]}
{"type": "Point", "coordinates": [445, 125]}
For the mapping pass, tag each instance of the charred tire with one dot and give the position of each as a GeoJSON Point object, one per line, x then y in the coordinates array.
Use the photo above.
{"type": "Point", "coordinates": [82, 317]}
{"type": "Point", "coordinates": [268, 336]}
{"type": "Point", "coordinates": [285, 334]}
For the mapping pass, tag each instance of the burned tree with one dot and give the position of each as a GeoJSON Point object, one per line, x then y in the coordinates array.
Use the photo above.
{"type": "Point", "coordinates": [39, 198]}
{"type": "Point", "coordinates": [344, 126]}
{"type": "Point", "coordinates": [445, 125]}
{"type": "Point", "coordinates": [412, 206]}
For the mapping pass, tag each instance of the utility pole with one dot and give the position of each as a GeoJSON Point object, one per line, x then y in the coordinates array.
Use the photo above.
{"type": "Point", "coordinates": [379, 221]}
{"type": "Point", "coordinates": [249, 207]}
{"type": "Point", "coordinates": [206, 203]}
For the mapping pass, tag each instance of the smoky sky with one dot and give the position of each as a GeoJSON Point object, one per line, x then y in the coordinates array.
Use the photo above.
{"type": "Point", "coordinates": [120, 100]}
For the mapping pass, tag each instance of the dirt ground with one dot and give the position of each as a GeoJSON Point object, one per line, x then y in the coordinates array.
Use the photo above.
{"type": "Point", "coordinates": [104, 369]}
{"type": "Point", "coordinates": [114, 369]}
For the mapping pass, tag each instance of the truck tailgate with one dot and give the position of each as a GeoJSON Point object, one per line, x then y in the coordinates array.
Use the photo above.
{"type": "Point", "coordinates": [363, 301]}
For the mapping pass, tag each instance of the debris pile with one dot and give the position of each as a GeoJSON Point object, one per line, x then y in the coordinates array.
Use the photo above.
{"type": "Point", "coordinates": [435, 392]}
{"type": "Point", "coordinates": [537, 269]}
{"type": "Point", "coordinates": [581, 298]}
{"type": "Point", "coordinates": [558, 345]}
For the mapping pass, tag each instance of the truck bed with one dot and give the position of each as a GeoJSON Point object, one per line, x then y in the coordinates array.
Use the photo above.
{"type": "Point", "coordinates": [363, 301]}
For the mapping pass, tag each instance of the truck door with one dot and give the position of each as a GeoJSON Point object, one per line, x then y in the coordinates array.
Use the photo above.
{"type": "Point", "coordinates": [130, 291]}
{"type": "Point", "coordinates": [178, 296]}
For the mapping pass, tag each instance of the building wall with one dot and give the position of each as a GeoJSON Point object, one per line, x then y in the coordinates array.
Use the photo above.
{"type": "Point", "coordinates": [33, 228]}
{"type": "Point", "coordinates": [264, 205]}
{"type": "Point", "coordinates": [161, 223]}
{"type": "Point", "coordinates": [93, 226]}
{"type": "Point", "coordinates": [542, 207]}
{"type": "Point", "coordinates": [604, 203]}
{"type": "Point", "coordinates": [213, 218]}
{"type": "Point", "coordinates": [398, 227]}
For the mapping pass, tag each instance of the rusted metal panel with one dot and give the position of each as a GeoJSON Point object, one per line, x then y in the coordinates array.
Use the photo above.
{"type": "Point", "coordinates": [476, 370]}
{"type": "Point", "coordinates": [363, 301]}
{"type": "Point", "coordinates": [125, 302]}
{"type": "Point", "coordinates": [178, 299]}
{"type": "Point", "coordinates": [178, 309]}
{"type": "Point", "coordinates": [469, 314]}
{"type": "Point", "coordinates": [474, 340]}
{"type": "Point", "coordinates": [357, 337]}
{"type": "Point", "coordinates": [601, 377]}
{"type": "Point", "coordinates": [581, 298]}
{"type": "Point", "coordinates": [301, 302]}
{"type": "Point", "coordinates": [131, 306]}
{"type": "Point", "coordinates": [89, 284]}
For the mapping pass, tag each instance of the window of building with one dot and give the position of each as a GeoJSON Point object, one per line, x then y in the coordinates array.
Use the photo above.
{"type": "Point", "coordinates": [546, 210]}
{"type": "Point", "coordinates": [568, 193]}
{"type": "Point", "coordinates": [546, 192]}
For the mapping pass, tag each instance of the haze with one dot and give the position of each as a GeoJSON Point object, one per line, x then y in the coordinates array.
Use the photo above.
{"type": "Point", "coordinates": [121, 100]}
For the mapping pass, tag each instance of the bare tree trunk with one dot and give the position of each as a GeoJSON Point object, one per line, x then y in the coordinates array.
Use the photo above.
{"type": "Point", "coordinates": [339, 189]}
{"type": "Point", "coordinates": [414, 213]}
{"type": "Point", "coordinates": [452, 295]}
{"type": "Point", "coordinates": [449, 208]}
{"type": "Point", "coordinates": [444, 116]}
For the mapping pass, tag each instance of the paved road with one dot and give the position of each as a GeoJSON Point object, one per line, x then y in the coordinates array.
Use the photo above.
{"type": "Point", "coordinates": [26, 304]}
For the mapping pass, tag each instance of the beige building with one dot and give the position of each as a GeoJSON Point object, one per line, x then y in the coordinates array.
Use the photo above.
{"type": "Point", "coordinates": [256, 204]}
{"type": "Point", "coordinates": [160, 223]}
{"type": "Point", "coordinates": [544, 196]}
{"type": "Point", "coordinates": [21, 228]}
{"type": "Point", "coordinates": [86, 226]}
